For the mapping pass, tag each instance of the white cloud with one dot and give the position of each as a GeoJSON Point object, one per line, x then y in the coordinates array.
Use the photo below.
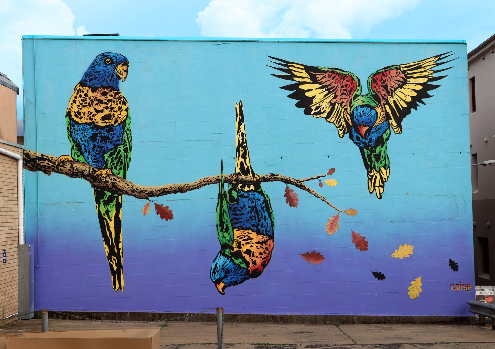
{"type": "Point", "coordinates": [30, 17]}
{"type": "Point", "coordinates": [81, 30]}
{"type": "Point", "coordinates": [331, 19]}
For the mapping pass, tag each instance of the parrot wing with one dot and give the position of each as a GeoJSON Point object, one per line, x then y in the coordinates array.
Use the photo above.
{"type": "Point", "coordinates": [400, 88]}
{"type": "Point", "coordinates": [76, 153]}
{"type": "Point", "coordinates": [321, 92]}
{"type": "Point", "coordinates": [119, 158]}
{"type": "Point", "coordinates": [224, 226]}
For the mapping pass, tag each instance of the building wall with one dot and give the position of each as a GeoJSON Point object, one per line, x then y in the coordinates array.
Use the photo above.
{"type": "Point", "coordinates": [181, 96]}
{"type": "Point", "coordinates": [8, 112]}
{"type": "Point", "coordinates": [9, 237]}
{"type": "Point", "coordinates": [482, 126]}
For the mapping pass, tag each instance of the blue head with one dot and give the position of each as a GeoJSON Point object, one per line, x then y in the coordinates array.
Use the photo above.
{"type": "Point", "coordinates": [225, 273]}
{"type": "Point", "coordinates": [364, 118]}
{"type": "Point", "coordinates": [106, 70]}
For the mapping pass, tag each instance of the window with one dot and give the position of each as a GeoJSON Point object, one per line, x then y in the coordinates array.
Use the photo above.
{"type": "Point", "coordinates": [474, 172]}
{"type": "Point", "coordinates": [483, 260]}
{"type": "Point", "coordinates": [472, 87]}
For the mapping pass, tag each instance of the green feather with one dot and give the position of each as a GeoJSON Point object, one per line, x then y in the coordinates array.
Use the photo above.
{"type": "Point", "coordinates": [377, 157]}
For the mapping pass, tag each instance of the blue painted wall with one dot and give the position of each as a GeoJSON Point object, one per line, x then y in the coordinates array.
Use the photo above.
{"type": "Point", "coordinates": [181, 95]}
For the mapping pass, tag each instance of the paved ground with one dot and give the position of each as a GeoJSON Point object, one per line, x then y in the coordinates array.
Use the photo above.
{"type": "Point", "coordinates": [203, 335]}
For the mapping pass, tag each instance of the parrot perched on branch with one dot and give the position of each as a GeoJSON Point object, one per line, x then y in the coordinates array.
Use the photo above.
{"type": "Point", "coordinates": [245, 223]}
{"type": "Point", "coordinates": [335, 95]}
{"type": "Point", "coordinates": [99, 131]}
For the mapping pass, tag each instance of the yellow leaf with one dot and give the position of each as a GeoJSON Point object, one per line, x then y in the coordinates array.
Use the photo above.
{"type": "Point", "coordinates": [415, 288]}
{"type": "Point", "coordinates": [403, 252]}
{"type": "Point", "coordinates": [331, 182]}
{"type": "Point", "coordinates": [351, 212]}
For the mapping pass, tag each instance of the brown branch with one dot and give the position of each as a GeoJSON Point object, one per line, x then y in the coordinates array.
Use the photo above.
{"type": "Point", "coordinates": [47, 164]}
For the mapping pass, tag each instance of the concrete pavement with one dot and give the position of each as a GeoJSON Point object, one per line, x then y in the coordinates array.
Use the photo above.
{"type": "Point", "coordinates": [203, 335]}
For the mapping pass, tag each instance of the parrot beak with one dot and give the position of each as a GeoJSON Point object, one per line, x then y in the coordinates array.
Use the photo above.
{"type": "Point", "coordinates": [121, 70]}
{"type": "Point", "coordinates": [220, 287]}
{"type": "Point", "coordinates": [363, 129]}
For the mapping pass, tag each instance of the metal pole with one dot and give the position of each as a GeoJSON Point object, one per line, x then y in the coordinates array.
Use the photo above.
{"type": "Point", "coordinates": [220, 327]}
{"type": "Point", "coordinates": [44, 320]}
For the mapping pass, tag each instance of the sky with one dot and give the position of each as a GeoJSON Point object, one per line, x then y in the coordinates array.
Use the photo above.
{"type": "Point", "coordinates": [324, 19]}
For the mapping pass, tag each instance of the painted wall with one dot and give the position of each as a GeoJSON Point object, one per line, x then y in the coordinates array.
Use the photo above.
{"type": "Point", "coordinates": [181, 95]}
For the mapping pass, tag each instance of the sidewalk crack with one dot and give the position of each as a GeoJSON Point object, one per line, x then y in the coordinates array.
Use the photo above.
{"type": "Point", "coordinates": [353, 341]}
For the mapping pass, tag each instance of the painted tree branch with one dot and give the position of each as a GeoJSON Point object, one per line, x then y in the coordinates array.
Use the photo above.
{"type": "Point", "coordinates": [47, 164]}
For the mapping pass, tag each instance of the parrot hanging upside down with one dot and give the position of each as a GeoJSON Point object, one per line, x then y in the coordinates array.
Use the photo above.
{"type": "Point", "coordinates": [99, 130]}
{"type": "Point", "coordinates": [335, 95]}
{"type": "Point", "coordinates": [245, 223]}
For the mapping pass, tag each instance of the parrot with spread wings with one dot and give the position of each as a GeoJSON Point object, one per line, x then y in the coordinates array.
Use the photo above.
{"type": "Point", "coordinates": [335, 95]}
{"type": "Point", "coordinates": [245, 222]}
{"type": "Point", "coordinates": [99, 130]}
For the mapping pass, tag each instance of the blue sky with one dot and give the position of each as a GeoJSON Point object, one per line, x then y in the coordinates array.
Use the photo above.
{"type": "Point", "coordinates": [328, 19]}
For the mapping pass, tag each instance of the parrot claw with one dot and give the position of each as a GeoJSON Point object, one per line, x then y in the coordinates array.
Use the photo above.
{"type": "Point", "coordinates": [62, 159]}
{"type": "Point", "coordinates": [102, 174]}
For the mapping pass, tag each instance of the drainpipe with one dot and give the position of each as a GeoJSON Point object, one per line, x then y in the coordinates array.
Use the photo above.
{"type": "Point", "coordinates": [20, 194]}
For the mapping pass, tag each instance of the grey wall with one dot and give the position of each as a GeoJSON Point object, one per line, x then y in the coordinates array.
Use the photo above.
{"type": "Point", "coordinates": [482, 125]}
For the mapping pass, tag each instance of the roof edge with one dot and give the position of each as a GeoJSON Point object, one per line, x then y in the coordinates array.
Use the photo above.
{"type": "Point", "coordinates": [5, 81]}
{"type": "Point", "coordinates": [482, 47]}
{"type": "Point", "coordinates": [216, 39]}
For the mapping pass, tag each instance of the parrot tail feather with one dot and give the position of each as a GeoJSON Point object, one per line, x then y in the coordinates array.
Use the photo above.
{"type": "Point", "coordinates": [376, 181]}
{"type": "Point", "coordinates": [109, 208]}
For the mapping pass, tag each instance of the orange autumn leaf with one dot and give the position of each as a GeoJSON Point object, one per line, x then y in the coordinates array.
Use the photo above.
{"type": "Point", "coordinates": [146, 209]}
{"type": "Point", "coordinates": [333, 224]}
{"type": "Point", "coordinates": [313, 257]}
{"type": "Point", "coordinates": [351, 212]}
{"type": "Point", "coordinates": [359, 241]}
{"type": "Point", "coordinates": [331, 172]}
{"type": "Point", "coordinates": [164, 212]}
{"type": "Point", "coordinates": [291, 197]}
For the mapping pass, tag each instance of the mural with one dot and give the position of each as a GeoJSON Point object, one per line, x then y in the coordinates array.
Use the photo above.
{"type": "Point", "coordinates": [99, 131]}
{"type": "Point", "coordinates": [395, 256]}
{"type": "Point", "coordinates": [245, 222]}
{"type": "Point", "coordinates": [335, 95]}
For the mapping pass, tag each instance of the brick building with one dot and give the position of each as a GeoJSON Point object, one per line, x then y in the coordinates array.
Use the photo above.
{"type": "Point", "coordinates": [10, 189]}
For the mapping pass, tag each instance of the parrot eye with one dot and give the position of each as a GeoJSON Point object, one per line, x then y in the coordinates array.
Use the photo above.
{"type": "Point", "coordinates": [108, 61]}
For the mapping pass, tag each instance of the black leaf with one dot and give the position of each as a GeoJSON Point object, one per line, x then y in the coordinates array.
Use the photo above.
{"type": "Point", "coordinates": [378, 275]}
{"type": "Point", "coordinates": [453, 265]}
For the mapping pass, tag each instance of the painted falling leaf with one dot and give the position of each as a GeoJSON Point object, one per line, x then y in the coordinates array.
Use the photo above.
{"type": "Point", "coordinates": [291, 197]}
{"type": "Point", "coordinates": [359, 241]}
{"type": "Point", "coordinates": [146, 209]}
{"type": "Point", "coordinates": [378, 275]}
{"type": "Point", "coordinates": [351, 212]}
{"type": "Point", "coordinates": [415, 288]}
{"type": "Point", "coordinates": [320, 184]}
{"type": "Point", "coordinates": [453, 265]}
{"type": "Point", "coordinates": [331, 171]}
{"type": "Point", "coordinates": [313, 257]}
{"type": "Point", "coordinates": [331, 182]}
{"type": "Point", "coordinates": [404, 251]}
{"type": "Point", "coordinates": [164, 212]}
{"type": "Point", "coordinates": [333, 224]}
